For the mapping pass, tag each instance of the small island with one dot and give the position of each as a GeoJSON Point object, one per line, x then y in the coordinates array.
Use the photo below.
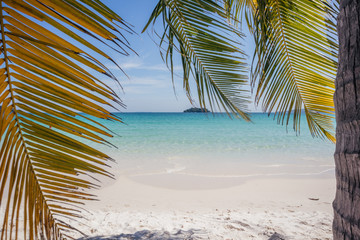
{"type": "Point", "coordinates": [196, 110]}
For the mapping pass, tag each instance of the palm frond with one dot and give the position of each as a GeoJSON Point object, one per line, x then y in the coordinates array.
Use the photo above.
{"type": "Point", "coordinates": [239, 10]}
{"type": "Point", "coordinates": [198, 30]}
{"type": "Point", "coordinates": [44, 91]}
{"type": "Point", "coordinates": [296, 61]}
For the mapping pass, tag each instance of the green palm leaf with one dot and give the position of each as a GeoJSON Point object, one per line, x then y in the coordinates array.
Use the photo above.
{"type": "Point", "coordinates": [44, 88]}
{"type": "Point", "coordinates": [238, 10]}
{"type": "Point", "coordinates": [199, 31]}
{"type": "Point", "coordinates": [295, 62]}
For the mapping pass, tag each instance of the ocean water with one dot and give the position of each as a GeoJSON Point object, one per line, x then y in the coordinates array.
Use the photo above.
{"type": "Point", "coordinates": [214, 145]}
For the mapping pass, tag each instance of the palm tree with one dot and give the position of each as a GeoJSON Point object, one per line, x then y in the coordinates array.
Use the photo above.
{"type": "Point", "coordinates": [287, 76]}
{"type": "Point", "coordinates": [294, 69]}
{"type": "Point", "coordinates": [46, 83]}
{"type": "Point", "coordinates": [346, 205]}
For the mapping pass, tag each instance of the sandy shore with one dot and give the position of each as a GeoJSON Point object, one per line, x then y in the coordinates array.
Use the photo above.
{"type": "Point", "coordinates": [176, 206]}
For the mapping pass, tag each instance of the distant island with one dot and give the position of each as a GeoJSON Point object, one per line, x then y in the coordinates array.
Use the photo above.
{"type": "Point", "coordinates": [196, 110]}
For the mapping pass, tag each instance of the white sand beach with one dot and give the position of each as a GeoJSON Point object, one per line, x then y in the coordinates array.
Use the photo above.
{"type": "Point", "coordinates": [176, 206]}
{"type": "Point", "coordinates": [177, 178]}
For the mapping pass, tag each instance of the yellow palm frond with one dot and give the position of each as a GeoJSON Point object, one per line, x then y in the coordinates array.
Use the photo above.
{"type": "Point", "coordinates": [296, 61]}
{"type": "Point", "coordinates": [44, 91]}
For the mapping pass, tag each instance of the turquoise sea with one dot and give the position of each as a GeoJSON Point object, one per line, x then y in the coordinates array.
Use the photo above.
{"type": "Point", "coordinates": [214, 145]}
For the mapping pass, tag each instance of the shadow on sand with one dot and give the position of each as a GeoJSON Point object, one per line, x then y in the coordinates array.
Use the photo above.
{"type": "Point", "coordinates": [153, 235]}
{"type": "Point", "coordinates": [158, 235]}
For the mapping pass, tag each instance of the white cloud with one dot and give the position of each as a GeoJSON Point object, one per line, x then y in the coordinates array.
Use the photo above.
{"type": "Point", "coordinates": [130, 65]}
{"type": "Point", "coordinates": [151, 81]}
{"type": "Point", "coordinates": [137, 63]}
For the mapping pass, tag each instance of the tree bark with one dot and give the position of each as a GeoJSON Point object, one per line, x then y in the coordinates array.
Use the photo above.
{"type": "Point", "coordinates": [346, 225]}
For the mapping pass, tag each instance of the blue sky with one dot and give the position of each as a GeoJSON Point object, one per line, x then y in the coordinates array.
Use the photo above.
{"type": "Point", "coordinates": [149, 87]}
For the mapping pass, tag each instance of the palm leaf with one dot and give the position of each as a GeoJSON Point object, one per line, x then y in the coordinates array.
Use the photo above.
{"type": "Point", "coordinates": [295, 62]}
{"type": "Point", "coordinates": [239, 10]}
{"type": "Point", "coordinates": [44, 89]}
{"type": "Point", "coordinates": [198, 30]}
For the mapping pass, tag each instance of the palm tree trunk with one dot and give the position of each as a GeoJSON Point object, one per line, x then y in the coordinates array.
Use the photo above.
{"type": "Point", "coordinates": [346, 205]}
